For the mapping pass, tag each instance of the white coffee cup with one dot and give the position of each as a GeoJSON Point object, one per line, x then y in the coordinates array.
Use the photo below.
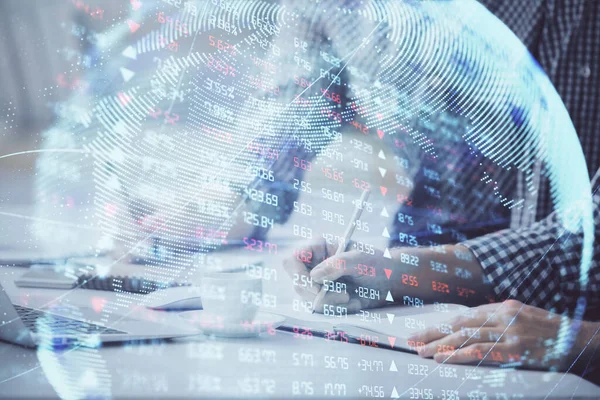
{"type": "Point", "coordinates": [231, 297]}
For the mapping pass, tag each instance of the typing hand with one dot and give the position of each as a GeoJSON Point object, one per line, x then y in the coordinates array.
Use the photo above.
{"type": "Point", "coordinates": [353, 279]}
{"type": "Point", "coordinates": [497, 334]}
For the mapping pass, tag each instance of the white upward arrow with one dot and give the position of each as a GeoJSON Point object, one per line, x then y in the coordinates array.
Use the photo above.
{"type": "Point", "coordinates": [127, 74]}
{"type": "Point", "coordinates": [381, 154]}
{"type": "Point", "coordinates": [386, 253]}
{"type": "Point", "coordinates": [130, 52]}
{"type": "Point", "coordinates": [384, 213]}
{"type": "Point", "coordinates": [389, 297]}
{"type": "Point", "coordinates": [393, 367]}
{"type": "Point", "coordinates": [395, 394]}
{"type": "Point", "coordinates": [385, 233]}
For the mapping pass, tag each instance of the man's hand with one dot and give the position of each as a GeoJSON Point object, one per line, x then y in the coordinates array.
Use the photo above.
{"type": "Point", "coordinates": [353, 279]}
{"type": "Point", "coordinates": [501, 333]}
{"type": "Point", "coordinates": [364, 280]}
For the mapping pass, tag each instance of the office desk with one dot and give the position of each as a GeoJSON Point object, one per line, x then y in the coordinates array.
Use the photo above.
{"type": "Point", "coordinates": [279, 365]}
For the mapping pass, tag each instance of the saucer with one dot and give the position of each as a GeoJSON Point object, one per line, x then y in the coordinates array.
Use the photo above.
{"type": "Point", "coordinates": [210, 324]}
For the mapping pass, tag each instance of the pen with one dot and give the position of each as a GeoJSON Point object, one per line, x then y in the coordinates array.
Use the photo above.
{"type": "Point", "coordinates": [346, 239]}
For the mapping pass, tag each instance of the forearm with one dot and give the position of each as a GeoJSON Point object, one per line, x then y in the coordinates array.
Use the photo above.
{"type": "Point", "coordinates": [449, 274]}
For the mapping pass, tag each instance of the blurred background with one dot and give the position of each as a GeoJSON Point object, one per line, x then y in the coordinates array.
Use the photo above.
{"type": "Point", "coordinates": [33, 44]}
{"type": "Point", "coordinates": [42, 46]}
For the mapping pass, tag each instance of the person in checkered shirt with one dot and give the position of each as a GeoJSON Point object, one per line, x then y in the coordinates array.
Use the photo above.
{"type": "Point", "coordinates": [535, 268]}
{"type": "Point", "coordinates": [539, 265]}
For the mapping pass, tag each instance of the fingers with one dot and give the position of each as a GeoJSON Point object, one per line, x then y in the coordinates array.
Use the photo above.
{"type": "Point", "coordinates": [490, 334]}
{"type": "Point", "coordinates": [335, 274]}
{"type": "Point", "coordinates": [429, 335]}
{"type": "Point", "coordinates": [348, 263]}
{"type": "Point", "coordinates": [299, 273]}
{"type": "Point", "coordinates": [489, 353]}
{"type": "Point", "coordinates": [473, 320]}
{"type": "Point", "coordinates": [331, 269]}
{"type": "Point", "coordinates": [477, 326]}
{"type": "Point", "coordinates": [303, 284]}
{"type": "Point", "coordinates": [308, 292]}
{"type": "Point", "coordinates": [477, 336]}
{"type": "Point", "coordinates": [298, 267]}
{"type": "Point", "coordinates": [334, 267]}
{"type": "Point", "coordinates": [457, 340]}
{"type": "Point", "coordinates": [307, 256]}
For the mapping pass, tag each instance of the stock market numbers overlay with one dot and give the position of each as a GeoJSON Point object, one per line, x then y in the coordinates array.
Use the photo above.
{"type": "Point", "coordinates": [196, 129]}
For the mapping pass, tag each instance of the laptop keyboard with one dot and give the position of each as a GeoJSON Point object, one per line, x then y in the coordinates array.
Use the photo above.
{"type": "Point", "coordinates": [61, 325]}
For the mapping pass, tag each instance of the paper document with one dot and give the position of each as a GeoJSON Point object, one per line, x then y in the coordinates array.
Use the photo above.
{"type": "Point", "coordinates": [387, 327]}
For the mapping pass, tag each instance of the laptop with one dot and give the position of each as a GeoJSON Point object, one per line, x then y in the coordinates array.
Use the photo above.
{"type": "Point", "coordinates": [31, 327]}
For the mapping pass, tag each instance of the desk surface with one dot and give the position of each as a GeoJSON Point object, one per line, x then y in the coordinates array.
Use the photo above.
{"type": "Point", "coordinates": [267, 366]}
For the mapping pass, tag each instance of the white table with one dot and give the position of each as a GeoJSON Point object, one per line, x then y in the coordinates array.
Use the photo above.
{"type": "Point", "coordinates": [279, 365]}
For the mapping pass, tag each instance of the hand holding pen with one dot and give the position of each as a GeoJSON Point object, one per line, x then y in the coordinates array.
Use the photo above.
{"type": "Point", "coordinates": [344, 241]}
{"type": "Point", "coordinates": [321, 263]}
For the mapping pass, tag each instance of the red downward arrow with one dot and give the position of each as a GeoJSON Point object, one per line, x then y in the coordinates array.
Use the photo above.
{"type": "Point", "coordinates": [388, 272]}
{"type": "Point", "coordinates": [392, 341]}
{"type": "Point", "coordinates": [383, 190]}
{"type": "Point", "coordinates": [380, 133]}
{"type": "Point", "coordinates": [133, 26]}
{"type": "Point", "coordinates": [98, 303]}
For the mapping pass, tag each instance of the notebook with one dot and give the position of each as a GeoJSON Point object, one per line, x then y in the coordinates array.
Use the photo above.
{"type": "Point", "coordinates": [387, 327]}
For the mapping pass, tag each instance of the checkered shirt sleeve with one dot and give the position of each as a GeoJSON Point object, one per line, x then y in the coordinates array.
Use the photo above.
{"type": "Point", "coordinates": [540, 264]}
